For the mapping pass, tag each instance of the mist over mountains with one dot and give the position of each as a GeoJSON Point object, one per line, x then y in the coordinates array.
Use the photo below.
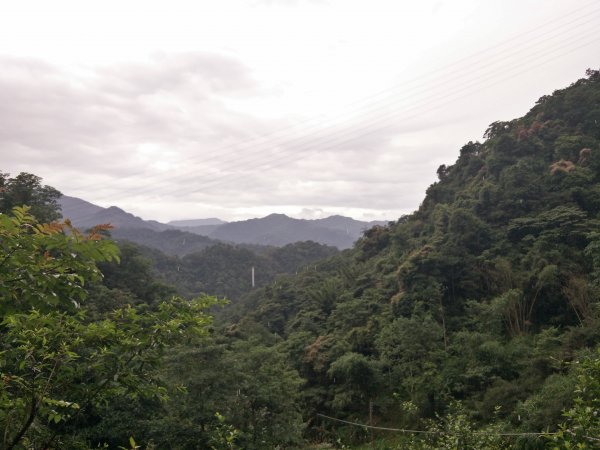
{"type": "Point", "coordinates": [182, 237]}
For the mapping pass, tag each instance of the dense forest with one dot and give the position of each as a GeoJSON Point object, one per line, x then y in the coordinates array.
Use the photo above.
{"type": "Point", "coordinates": [472, 323]}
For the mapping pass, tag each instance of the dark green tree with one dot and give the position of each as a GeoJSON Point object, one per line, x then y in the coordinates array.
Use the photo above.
{"type": "Point", "coordinates": [27, 189]}
{"type": "Point", "coordinates": [56, 365]}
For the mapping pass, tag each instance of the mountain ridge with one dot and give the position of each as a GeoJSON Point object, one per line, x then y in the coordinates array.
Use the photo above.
{"type": "Point", "coordinates": [275, 229]}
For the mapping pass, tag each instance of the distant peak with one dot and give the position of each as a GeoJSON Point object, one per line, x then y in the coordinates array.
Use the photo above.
{"type": "Point", "coordinates": [338, 216]}
{"type": "Point", "coordinates": [196, 222]}
{"type": "Point", "coordinates": [115, 209]}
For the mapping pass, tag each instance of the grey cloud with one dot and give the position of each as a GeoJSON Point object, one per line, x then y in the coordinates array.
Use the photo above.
{"type": "Point", "coordinates": [83, 131]}
{"type": "Point", "coordinates": [51, 112]}
{"type": "Point", "coordinates": [201, 75]}
{"type": "Point", "coordinates": [288, 2]}
{"type": "Point", "coordinates": [364, 176]}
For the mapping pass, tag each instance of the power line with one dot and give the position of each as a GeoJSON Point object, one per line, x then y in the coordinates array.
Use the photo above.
{"type": "Point", "coordinates": [390, 119]}
{"type": "Point", "coordinates": [285, 157]}
{"type": "Point", "coordinates": [250, 156]}
{"type": "Point", "coordinates": [405, 430]}
{"type": "Point", "coordinates": [247, 155]}
{"type": "Point", "coordinates": [513, 51]}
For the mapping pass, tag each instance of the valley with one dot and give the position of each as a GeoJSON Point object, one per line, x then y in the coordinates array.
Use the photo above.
{"type": "Point", "coordinates": [471, 323]}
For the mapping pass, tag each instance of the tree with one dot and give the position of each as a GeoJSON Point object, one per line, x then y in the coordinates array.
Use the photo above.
{"type": "Point", "coordinates": [582, 427]}
{"type": "Point", "coordinates": [412, 350]}
{"type": "Point", "coordinates": [27, 189]}
{"type": "Point", "coordinates": [56, 365]}
{"type": "Point", "coordinates": [356, 379]}
{"type": "Point", "coordinates": [263, 397]}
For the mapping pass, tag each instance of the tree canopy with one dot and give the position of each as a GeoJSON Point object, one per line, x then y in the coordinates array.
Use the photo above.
{"type": "Point", "coordinates": [27, 189]}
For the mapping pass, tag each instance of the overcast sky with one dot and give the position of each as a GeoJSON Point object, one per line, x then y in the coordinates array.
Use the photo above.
{"type": "Point", "coordinates": [235, 109]}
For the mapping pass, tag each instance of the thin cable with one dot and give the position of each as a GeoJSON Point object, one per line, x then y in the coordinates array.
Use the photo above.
{"type": "Point", "coordinates": [455, 63]}
{"type": "Point", "coordinates": [321, 143]}
{"type": "Point", "coordinates": [360, 134]}
{"type": "Point", "coordinates": [404, 430]}
{"type": "Point", "coordinates": [249, 155]}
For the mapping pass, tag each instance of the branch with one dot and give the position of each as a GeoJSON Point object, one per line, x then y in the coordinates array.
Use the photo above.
{"type": "Point", "coordinates": [8, 255]}
{"type": "Point", "coordinates": [29, 421]}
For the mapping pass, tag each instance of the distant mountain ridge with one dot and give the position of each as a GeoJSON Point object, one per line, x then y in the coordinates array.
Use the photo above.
{"type": "Point", "coordinates": [84, 214]}
{"type": "Point", "coordinates": [279, 229]}
{"type": "Point", "coordinates": [196, 222]}
{"type": "Point", "coordinates": [184, 236]}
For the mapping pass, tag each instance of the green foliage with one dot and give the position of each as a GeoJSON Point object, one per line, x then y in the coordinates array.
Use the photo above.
{"type": "Point", "coordinates": [478, 296]}
{"type": "Point", "coordinates": [547, 405]}
{"type": "Point", "coordinates": [357, 380]}
{"type": "Point", "coordinates": [412, 349]}
{"type": "Point", "coordinates": [221, 270]}
{"type": "Point", "coordinates": [43, 267]}
{"type": "Point", "coordinates": [56, 365]}
{"type": "Point", "coordinates": [456, 431]}
{"type": "Point", "coordinates": [582, 426]}
{"type": "Point", "coordinates": [224, 436]}
{"type": "Point", "coordinates": [251, 385]}
{"type": "Point", "coordinates": [27, 189]}
{"type": "Point", "coordinates": [592, 251]}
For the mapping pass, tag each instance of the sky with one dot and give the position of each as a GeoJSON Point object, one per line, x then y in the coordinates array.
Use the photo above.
{"type": "Point", "coordinates": [237, 109]}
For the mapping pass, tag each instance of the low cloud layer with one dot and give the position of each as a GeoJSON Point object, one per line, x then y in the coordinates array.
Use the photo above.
{"type": "Point", "coordinates": [161, 132]}
{"type": "Point", "coordinates": [191, 134]}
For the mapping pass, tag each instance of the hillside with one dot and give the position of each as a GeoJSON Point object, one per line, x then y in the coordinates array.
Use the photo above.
{"type": "Point", "coordinates": [475, 297]}
{"type": "Point", "coordinates": [84, 214]}
{"type": "Point", "coordinates": [224, 270]}
{"type": "Point", "coordinates": [128, 227]}
{"type": "Point", "coordinates": [196, 222]}
{"type": "Point", "coordinates": [171, 242]}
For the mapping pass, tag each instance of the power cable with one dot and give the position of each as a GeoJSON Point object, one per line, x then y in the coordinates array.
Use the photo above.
{"type": "Point", "coordinates": [518, 50]}
{"type": "Point", "coordinates": [285, 157]}
{"type": "Point", "coordinates": [360, 133]}
{"type": "Point", "coordinates": [249, 154]}
{"type": "Point", "coordinates": [405, 430]}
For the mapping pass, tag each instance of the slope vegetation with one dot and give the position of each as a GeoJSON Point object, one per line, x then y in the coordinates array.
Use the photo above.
{"type": "Point", "coordinates": [478, 296]}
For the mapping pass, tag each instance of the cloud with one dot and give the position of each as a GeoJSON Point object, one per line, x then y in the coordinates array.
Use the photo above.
{"type": "Point", "coordinates": [280, 3]}
{"type": "Point", "coordinates": [162, 131]}
{"type": "Point", "coordinates": [103, 115]}
{"type": "Point", "coordinates": [179, 135]}
{"type": "Point", "coordinates": [200, 75]}
{"type": "Point", "coordinates": [313, 213]}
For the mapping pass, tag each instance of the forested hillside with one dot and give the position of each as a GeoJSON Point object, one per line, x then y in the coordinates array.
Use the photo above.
{"type": "Point", "coordinates": [483, 295]}
{"type": "Point", "coordinates": [223, 270]}
{"type": "Point", "coordinates": [474, 320]}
